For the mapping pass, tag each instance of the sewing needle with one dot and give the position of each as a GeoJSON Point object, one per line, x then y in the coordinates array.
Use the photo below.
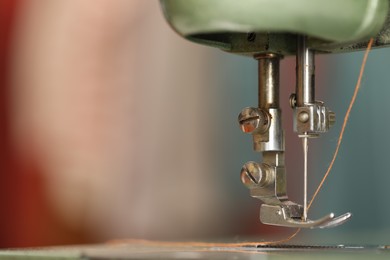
{"type": "Point", "coordinates": [305, 150]}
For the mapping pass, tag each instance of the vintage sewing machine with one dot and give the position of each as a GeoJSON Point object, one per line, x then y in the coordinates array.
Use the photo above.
{"type": "Point", "coordinates": [268, 30]}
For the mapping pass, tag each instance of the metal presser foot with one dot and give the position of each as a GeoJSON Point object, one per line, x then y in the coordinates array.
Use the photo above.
{"type": "Point", "coordinates": [267, 180]}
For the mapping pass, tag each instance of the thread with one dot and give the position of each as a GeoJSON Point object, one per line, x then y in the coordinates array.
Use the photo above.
{"type": "Point", "coordinates": [275, 242]}
{"type": "Point", "coordinates": [346, 117]}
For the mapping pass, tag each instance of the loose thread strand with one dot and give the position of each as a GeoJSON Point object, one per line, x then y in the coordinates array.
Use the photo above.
{"type": "Point", "coordinates": [346, 117]}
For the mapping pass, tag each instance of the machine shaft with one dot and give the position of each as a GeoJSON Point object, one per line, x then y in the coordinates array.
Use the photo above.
{"type": "Point", "coordinates": [305, 96]}
{"type": "Point", "coordinates": [305, 67]}
{"type": "Point", "coordinates": [268, 94]}
{"type": "Point", "coordinates": [268, 70]}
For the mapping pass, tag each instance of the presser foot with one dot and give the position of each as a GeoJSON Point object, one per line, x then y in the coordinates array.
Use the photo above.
{"type": "Point", "coordinates": [291, 216]}
{"type": "Point", "coordinates": [267, 182]}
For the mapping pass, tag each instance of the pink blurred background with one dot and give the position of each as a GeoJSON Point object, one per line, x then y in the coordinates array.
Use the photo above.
{"type": "Point", "coordinates": [103, 111]}
{"type": "Point", "coordinates": [112, 126]}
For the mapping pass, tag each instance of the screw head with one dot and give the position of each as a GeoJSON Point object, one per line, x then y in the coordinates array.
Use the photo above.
{"type": "Point", "coordinates": [293, 100]}
{"type": "Point", "coordinates": [251, 119]}
{"type": "Point", "coordinates": [253, 174]}
{"type": "Point", "coordinates": [303, 117]}
{"type": "Point", "coordinates": [250, 174]}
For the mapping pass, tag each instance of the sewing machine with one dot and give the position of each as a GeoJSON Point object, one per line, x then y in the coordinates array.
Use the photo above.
{"type": "Point", "coordinates": [261, 29]}
{"type": "Point", "coordinates": [265, 31]}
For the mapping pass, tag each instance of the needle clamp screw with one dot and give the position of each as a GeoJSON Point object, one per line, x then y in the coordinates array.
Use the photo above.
{"type": "Point", "coordinates": [253, 119]}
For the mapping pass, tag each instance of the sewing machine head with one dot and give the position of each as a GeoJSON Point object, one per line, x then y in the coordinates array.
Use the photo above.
{"type": "Point", "coordinates": [268, 30]}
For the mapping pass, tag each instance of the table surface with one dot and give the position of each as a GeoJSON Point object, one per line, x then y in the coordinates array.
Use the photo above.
{"type": "Point", "coordinates": [128, 250]}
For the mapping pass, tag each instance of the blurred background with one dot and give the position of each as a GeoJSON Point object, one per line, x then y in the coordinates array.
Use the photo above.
{"type": "Point", "coordinates": [112, 126]}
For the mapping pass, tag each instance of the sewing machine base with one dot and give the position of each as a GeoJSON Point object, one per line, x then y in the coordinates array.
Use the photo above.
{"type": "Point", "coordinates": [141, 251]}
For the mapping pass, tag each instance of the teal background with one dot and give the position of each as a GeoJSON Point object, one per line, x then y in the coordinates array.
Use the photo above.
{"type": "Point", "coordinates": [359, 181]}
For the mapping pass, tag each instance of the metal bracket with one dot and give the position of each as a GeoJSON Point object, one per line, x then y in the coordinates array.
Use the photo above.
{"type": "Point", "coordinates": [282, 215]}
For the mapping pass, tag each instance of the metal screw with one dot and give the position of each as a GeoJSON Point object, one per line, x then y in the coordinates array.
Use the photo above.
{"type": "Point", "coordinates": [251, 119]}
{"type": "Point", "coordinates": [250, 174]}
{"type": "Point", "coordinates": [254, 174]}
{"type": "Point", "coordinates": [293, 100]}
{"type": "Point", "coordinates": [303, 117]}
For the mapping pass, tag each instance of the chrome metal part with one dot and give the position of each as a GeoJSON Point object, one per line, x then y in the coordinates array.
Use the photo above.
{"type": "Point", "coordinates": [264, 122]}
{"type": "Point", "coordinates": [253, 173]}
{"type": "Point", "coordinates": [311, 117]}
{"type": "Point", "coordinates": [268, 93]}
{"type": "Point", "coordinates": [275, 134]}
{"type": "Point", "coordinates": [284, 215]}
{"type": "Point", "coordinates": [274, 191]}
{"type": "Point", "coordinates": [268, 70]}
{"type": "Point", "coordinates": [305, 73]}
{"type": "Point", "coordinates": [305, 151]}
{"type": "Point", "coordinates": [267, 180]}
{"type": "Point", "coordinates": [254, 119]}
